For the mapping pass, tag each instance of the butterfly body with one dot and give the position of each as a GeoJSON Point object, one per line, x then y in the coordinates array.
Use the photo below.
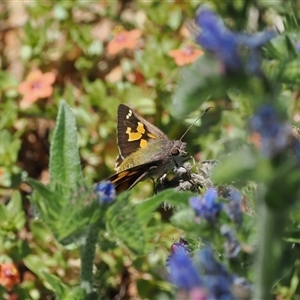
{"type": "Point", "coordinates": [145, 151]}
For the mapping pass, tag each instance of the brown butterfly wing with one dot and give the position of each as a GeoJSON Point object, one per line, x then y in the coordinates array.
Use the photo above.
{"type": "Point", "coordinates": [127, 179]}
{"type": "Point", "coordinates": [132, 132]}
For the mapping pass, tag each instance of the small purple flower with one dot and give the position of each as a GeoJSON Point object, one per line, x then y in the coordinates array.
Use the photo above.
{"type": "Point", "coordinates": [233, 206]}
{"type": "Point", "coordinates": [232, 247]}
{"type": "Point", "coordinates": [206, 206]}
{"type": "Point", "coordinates": [215, 37]}
{"type": "Point", "coordinates": [106, 192]}
{"type": "Point", "coordinates": [274, 135]}
{"type": "Point", "coordinates": [182, 272]}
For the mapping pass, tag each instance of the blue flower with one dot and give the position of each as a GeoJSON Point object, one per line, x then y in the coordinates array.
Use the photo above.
{"type": "Point", "coordinates": [232, 247]}
{"type": "Point", "coordinates": [209, 263]}
{"type": "Point", "coordinates": [206, 206]}
{"type": "Point", "coordinates": [106, 192]}
{"type": "Point", "coordinates": [218, 280]}
{"type": "Point", "coordinates": [257, 40]}
{"type": "Point", "coordinates": [214, 36]}
{"type": "Point", "coordinates": [218, 287]}
{"type": "Point", "coordinates": [182, 272]}
{"type": "Point", "coordinates": [233, 207]}
{"type": "Point", "coordinates": [180, 245]}
{"type": "Point", "coordinates": [274, 135]}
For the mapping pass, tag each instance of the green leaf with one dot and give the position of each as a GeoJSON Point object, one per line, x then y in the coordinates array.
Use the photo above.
{"type": "Point", "coordinates": [65, 167]}
{"type": "Point", "coordinates": [55, 284]}
{"type": "Point", "coordinates": [68, 217]}
{"type": "Point", "coordinates": [292, 71]}
{"type": "Point", "coordinates": [184, 219]}
{"type": "Point", "coordinates": [15, 203]}
{"type": "Point", "coordinates": [124, 222]}
{"type": "Point", "coordinates": [44, 199]}
{"type": "Point", "coordinates": [40, 231]}
{"type": "Point", "coordinates": [36, 264]}
{"type": "Point", "coordinates": [171, 197]}
{"type": "Point", "coordinates": [12, 215]}
{"type": "Point", "coordinates": [3, 213]}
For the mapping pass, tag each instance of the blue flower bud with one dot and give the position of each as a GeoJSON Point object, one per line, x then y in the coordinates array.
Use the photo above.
{"type": "Point", "coordinates": [106, 192]}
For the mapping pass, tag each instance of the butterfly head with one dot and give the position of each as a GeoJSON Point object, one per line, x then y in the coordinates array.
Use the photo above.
{"type": "Point", "coordinates": [179, 153]}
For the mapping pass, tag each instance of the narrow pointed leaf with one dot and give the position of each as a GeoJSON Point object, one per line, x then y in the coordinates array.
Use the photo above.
{"type": "Point", "coordinates": [65, 167]}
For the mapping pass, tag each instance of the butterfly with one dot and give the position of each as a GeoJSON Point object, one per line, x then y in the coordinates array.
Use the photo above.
{"type": "Point", "coordinates": [144, 151]}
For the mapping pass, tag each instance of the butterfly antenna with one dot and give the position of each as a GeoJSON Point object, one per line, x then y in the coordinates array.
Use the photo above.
{"type": "Point", "coordinates": [202, 114]}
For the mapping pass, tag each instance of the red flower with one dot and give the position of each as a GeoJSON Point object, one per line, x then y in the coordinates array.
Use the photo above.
{"type": "Point", "coordinates": [9, 275]}
{"type": "Point", "coordinates": [186, 55]}
{"type": "Point", "coordinates": [37, 85]}
{"type": "Point", "coordinates": [123, 40]}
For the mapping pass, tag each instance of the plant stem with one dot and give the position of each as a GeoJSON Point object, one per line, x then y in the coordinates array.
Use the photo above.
{"type": "Point", "coordinates": [87, 258]}
{"type": "Point", "coordinates": [271, 226]}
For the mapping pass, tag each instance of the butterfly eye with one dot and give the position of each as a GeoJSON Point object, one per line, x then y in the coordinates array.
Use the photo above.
{"type": "Point", "coordinates": [175, 152]}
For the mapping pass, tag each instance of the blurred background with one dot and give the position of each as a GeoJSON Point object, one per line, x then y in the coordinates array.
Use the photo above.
{"type": "Point", "coordinates": [96, 55]}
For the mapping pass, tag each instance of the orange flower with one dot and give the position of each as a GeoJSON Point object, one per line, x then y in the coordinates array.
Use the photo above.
{"type": "Point", "coordinates": [123, 40]}
{"type": "Point", "coordinates": [9, 275]}
{"type": "Point", "coordinates": [186, 55]}
{"type": "Point", "coordinates": [37, 85]}
{"type": "Point", "coordinates": [255, 139]}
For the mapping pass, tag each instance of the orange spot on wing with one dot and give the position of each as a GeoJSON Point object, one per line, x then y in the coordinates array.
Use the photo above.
{"type": "Point", "coordinates": [152, 136]}
{"type": "Point", "coordinates": [124, 174]}
{"type": "Point", "coordinates": [143, 143]}
{"type": "Point", "coordinates": [134, 136]}
{"type": "Point", "coordinates": [141, 128]}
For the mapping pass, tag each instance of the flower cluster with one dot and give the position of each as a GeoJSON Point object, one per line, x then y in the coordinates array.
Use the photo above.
{"type": "Point", "coordinates": [215, 37]}
{"type": "Point", "coordinates": [204, 277]}
{"type": "Point", "coordinates": [206, 206]}
{"type": "Point", "coordinates": [183, 273]}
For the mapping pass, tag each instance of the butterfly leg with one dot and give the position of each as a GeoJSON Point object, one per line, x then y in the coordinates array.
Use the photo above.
{"type": "Point", "coordinates": [140, 178]}
{"type": "Point", "coordinates": [159, 184]}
